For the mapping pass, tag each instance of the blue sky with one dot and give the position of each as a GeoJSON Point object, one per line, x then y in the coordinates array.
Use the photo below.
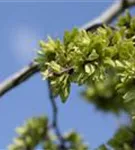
{"type": "Point", "coordinates": [22, 25]}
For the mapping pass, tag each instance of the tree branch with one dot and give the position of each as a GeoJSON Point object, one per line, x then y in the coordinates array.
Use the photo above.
{"type": "Point", "coordinates": [110, 14]}
{"type": "Point", "coordinates": [18, 78]}
{"type": "Point", "coordinates": [28, 71]}
{"type": "Point", "coordinates": [55, 117]}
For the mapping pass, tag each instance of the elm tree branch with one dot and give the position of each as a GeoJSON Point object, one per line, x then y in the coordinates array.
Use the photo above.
{"type": "Point", "coordinates": [28, 71]}
{"type": "Point", "coordinates": [110, 14]}
{"type": "Point", "coordinates": [55, 117]}
{"type": "Point", "coordinates": [18, 78]}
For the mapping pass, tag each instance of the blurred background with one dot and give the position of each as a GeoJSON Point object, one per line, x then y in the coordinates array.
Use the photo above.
{"type": "Point", "coordinates": [22, 25]}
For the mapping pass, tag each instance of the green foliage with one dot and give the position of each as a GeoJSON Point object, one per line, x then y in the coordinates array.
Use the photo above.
{"type": "Point", "coordinates": [93, 58]}
{"type": "Point", "coordinates": [103, 61]}
{"type": "Point", "coordinates": [72, 141]}
{"type": "Point", "coordinates": [123, 139]}
{"type": "Point", "coordinates": [31, 134]}
{"type": "Point", "coordinates": [75, 142]}
{"type": "Point", "coordinates": [36, 132]}
{"type": "Point", "coordinates": [104, 96]}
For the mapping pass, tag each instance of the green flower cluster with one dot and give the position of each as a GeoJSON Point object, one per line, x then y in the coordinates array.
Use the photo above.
{"type": "Point", "coordinates": [91, 57]}
{"type": "Point", "coordinates": [104, 61]}
{"type": "Point", "coordinates": [118, 88]}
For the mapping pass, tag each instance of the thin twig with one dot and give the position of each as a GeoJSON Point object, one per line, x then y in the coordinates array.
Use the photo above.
{"type": "Point", "coordinates": [28, 71]}
{"type": "Point", "coordinates": [55, 116]}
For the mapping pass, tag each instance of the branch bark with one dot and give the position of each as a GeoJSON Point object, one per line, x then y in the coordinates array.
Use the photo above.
{"type": "Point", "coordinates": [110, 14]}
{"type": "Point", "coordinates": [18, 78]}
{"type": "Point", "coordinates": [106, 17]}
{"type": "Point", "coordinates": [55, 118]}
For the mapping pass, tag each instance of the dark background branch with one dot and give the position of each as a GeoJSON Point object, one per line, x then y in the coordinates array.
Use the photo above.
{"type": "Point", "coordinates": [55, 117]}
